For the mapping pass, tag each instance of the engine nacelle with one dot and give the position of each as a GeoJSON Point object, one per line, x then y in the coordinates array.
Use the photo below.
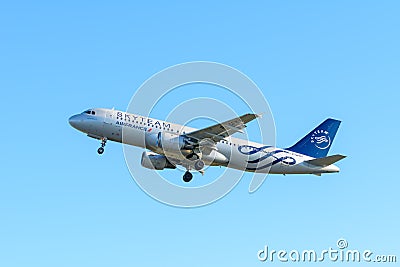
{"type": "Point", "coordinates": [151, 140]}
{"type": "Point", "coordinates": [168, 142]}
{"type": "Point", "coordinates": [171, 142]}
{"type": "Point", "coordinates": [156, 162]}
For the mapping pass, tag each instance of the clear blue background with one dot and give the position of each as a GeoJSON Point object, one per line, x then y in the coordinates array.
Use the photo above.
{"type": "Point", "coordinates": [63, 205]}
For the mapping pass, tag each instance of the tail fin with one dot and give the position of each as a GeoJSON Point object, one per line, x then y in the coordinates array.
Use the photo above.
{"type": "Point", "coordinates": [317, 143]}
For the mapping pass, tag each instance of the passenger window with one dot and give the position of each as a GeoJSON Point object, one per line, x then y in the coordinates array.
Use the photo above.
{"type": "Point", "coordinates": [93, 113]}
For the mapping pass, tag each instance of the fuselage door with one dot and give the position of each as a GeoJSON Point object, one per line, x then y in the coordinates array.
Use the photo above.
{"type": "Point", "coordinates": [112, 130]}
{"type": "Point", "coordinates": [108, 117]}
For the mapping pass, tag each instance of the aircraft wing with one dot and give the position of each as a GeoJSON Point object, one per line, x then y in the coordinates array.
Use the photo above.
{"type": "Point", "coordinates": [220, 131]}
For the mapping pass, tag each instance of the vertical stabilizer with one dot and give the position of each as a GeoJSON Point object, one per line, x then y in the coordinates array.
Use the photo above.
{"type": "Point", "coordinates": [318, 142]}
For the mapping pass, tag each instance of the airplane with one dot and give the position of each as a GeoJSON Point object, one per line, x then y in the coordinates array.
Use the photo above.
{"type": "Point", "coordinates": [169, 145]}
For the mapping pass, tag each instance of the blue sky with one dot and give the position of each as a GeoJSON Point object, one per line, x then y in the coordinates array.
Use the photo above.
{"type": "Point", "coordinates": [63, 205]}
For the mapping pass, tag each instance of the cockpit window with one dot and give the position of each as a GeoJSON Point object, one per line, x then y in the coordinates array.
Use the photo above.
{"type": "Point", "coordinates": [90, 112]}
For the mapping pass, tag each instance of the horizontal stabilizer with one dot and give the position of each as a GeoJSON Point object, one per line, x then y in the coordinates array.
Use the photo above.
{"type": "Point", "coordinates": [326, 161]}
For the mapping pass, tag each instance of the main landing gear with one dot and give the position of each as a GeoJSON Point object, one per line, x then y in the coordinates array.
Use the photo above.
{"type": "Point", "coordinates": [103, 144]}
{"type": "Point", "coordinates": [187, 177]}
{"type": "Point", "coordinates": [198, 166]}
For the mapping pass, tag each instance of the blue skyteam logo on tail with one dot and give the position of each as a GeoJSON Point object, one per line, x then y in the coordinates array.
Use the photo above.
{"type": "Point", "coordinates": [321, 139]}
{"type": "Point", "coordinates": [316, 144]}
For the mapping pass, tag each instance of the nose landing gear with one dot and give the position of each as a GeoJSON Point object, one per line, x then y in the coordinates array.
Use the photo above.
{"type": "Point", "coordinates": [103, 144]}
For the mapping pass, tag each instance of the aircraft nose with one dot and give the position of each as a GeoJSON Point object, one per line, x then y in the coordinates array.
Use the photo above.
{"type": "Point", "coordinates": [74, 121]}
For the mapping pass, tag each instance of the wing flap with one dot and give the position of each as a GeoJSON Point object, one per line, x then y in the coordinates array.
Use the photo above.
{"type": "Point", "coordinates": [220, 131]}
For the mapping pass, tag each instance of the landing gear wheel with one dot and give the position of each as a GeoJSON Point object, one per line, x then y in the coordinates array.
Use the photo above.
{"type": "Point", "coordinates": [103, 144]}
{"type": "Point", "coordinates": [187, 177]}
{"type": "Point", "coordinates": [198, 165]}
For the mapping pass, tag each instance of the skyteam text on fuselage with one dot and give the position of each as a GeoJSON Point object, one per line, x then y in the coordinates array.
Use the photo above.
{"type": "Point", "coordinates": [171, 144]}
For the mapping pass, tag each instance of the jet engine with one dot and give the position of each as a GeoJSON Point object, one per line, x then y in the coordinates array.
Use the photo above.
{"type": "Point", "coordinates": [168, 142]}
{"type": "Point", "coordinates": [156, 162]}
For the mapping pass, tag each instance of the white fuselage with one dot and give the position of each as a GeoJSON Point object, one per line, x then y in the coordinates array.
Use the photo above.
{"type": "Point", "coordinates": [240, 154]}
